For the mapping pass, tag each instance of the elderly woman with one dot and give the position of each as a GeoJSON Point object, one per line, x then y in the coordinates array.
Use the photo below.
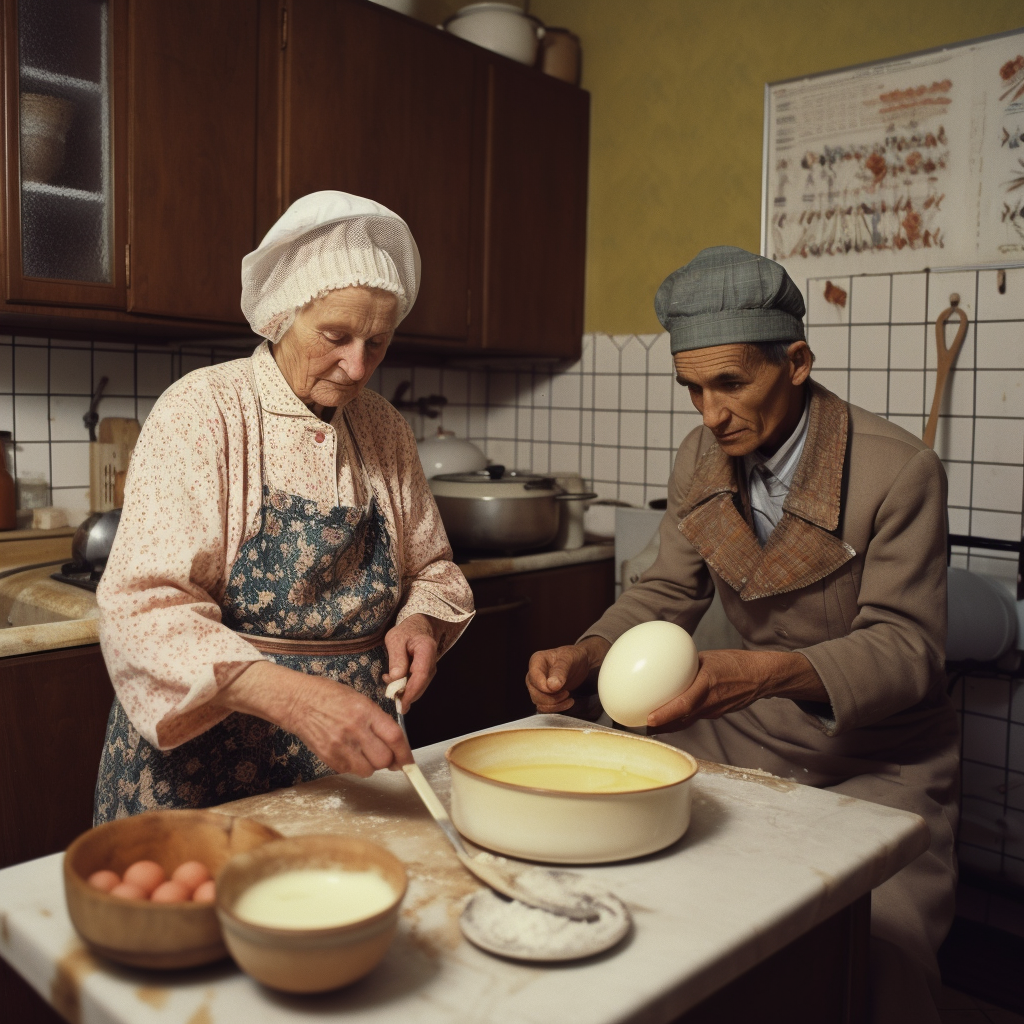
{"type": "Point", "coordinates": [280, 558]}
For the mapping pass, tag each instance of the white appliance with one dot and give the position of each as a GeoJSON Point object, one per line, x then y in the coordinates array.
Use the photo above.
{"type": "Point", "coordinates": [634, 529]}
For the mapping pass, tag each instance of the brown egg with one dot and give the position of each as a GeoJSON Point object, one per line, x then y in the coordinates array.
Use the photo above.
{"type": "Point", "coordinates": [146, 874]}
{"type": "Point", "coordinates": [170, 892]}
{"type": "Point", "coordinates": [104, 880]}
{"type": "Point", "coordinates": [205, 893]}
{"type": "Point", "coordinates": [128, 891]}
{"type": "Point", "coordinates": [191, 874]}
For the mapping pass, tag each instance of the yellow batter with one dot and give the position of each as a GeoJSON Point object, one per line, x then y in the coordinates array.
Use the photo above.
{"type": "Point", "coordinates": [571, 778]}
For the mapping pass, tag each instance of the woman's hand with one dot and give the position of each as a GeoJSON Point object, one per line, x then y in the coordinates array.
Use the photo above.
{"type": "Point", "coordinates": [733, 680]}
{"type": "Point", "coordinates": [554, 674]}
{"type": "Point", "coordinates": [412, 652]}
{"type": "Point", "coordinates": [346, 730]}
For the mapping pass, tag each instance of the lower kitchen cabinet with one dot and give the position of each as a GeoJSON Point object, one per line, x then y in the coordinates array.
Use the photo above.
{"type": "Point", "coordinates": [481, 681]}
{"type": "Point", "coordinates": [53, 716]}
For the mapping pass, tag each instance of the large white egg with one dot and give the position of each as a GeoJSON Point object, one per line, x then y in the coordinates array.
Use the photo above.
{"type": "Point", "coordinates": [646, 667]}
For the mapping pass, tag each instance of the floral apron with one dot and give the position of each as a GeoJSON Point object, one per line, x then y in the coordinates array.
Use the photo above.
{"type": "Point", "coordinates": [312, 591]}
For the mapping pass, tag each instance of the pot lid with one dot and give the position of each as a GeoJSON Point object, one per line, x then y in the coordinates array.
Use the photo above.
{"type": "Point", "coordinates": [499, 475]}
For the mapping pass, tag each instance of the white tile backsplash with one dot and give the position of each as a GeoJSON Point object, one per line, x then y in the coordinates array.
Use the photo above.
{"type": "Point", "coordinates": [70, 371]}
{"type": "Point", "coordinates": [119, 369]}
{"type": "Point", "coordinates": [869, 299]}
{"type": "Point", "coordinates": [46, 387]}
{"type": "Point", "coordinates": [1000, 345]}
{"type": "Point", "coordinates": [1008, 305]}
{"type": "Point", "coordinates": [869, 347]}
{"type": "Point", "coordinates": [69, 462]}
{"type": "Point", "coordinates": [634, 356]}
{"type": "Point", "coordinates": [908, 298]}
{"type": "Point", "coordinates": [831, 347]}
{"type": "Point", "coordinates": [31, 370]}
{"type": "Point", "coordinates": [633, 392]}
{"type": "Point", "coordinates": [31, 418]}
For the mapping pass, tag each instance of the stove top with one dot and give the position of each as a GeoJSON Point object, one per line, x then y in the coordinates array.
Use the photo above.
{"type": "Point", "coordinates": [77, 576]}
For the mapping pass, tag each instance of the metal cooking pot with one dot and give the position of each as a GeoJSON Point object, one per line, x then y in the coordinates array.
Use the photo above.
{"type": "Point", "coordinates": [499, 510]}
{"type": "Point", "coordinates": [90, 547]}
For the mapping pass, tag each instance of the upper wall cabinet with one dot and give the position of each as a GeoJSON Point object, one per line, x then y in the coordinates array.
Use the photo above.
{"type": "Point", "coordinates": [484, 158]}
{"type": "Point", "coordinates": [130, 135]}
{"type": "Point", "coordinates": [384, 107]}
{"type": "Point", "coordinates": [149, 144]}
{"type": "Point", "coordinates": [64, 117]}
{"type": "Point", "coordinates": [192, 150]}
{"type": "Point", "coordinates": [536, 218]}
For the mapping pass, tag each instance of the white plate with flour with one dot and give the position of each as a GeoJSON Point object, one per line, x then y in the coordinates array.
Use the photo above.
{"type": "Point", "coordinates": [513, 929]}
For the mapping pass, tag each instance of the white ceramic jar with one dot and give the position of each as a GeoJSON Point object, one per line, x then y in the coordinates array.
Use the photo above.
{"type": "Point", "coordinates": [499, 27]}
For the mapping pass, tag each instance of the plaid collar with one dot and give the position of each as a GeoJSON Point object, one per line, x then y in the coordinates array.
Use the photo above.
{"type": "Point", "coordinates": [803, 548]}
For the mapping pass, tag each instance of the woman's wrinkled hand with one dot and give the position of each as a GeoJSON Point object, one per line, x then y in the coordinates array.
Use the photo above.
{"type": "Point", "coordinates": [732, 680]}
{"type": "Point", "coordinates": [346, 730]}
{"type": "Point", "coordinates": [412, 652]}
{"type": "Point", "coordinates": [555, 673]}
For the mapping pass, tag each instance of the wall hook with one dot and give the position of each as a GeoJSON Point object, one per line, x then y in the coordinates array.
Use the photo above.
{"type": "Point", "coordinates": [1001, 282]}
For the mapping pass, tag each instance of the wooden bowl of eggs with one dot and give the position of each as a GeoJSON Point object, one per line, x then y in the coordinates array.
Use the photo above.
{"type": "Point", "coordinates": [140, 890]}
{"type": "Point", "coordinates": [311, 913]}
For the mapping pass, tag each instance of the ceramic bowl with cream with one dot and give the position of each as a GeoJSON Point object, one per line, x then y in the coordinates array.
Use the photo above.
{"type": "Point", "coordinates": [570, 796]}
{"type": "Point", "coordinates": [310, 913]}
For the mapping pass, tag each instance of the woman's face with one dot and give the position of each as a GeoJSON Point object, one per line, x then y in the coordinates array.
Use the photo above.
{"type": "Point", "coordinates": [336, 342]}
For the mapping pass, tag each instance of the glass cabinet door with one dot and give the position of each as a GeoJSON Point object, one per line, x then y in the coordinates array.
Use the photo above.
{"type": "Point", "coordinates": [63, 233]}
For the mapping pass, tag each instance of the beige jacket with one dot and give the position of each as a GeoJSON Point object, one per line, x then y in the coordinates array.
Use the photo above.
{"type": "Point", "coordinates": [853, 577]}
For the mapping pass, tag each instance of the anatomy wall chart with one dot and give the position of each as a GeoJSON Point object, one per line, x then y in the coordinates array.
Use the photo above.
{"type": "Point", "coordinates": [903, 164]}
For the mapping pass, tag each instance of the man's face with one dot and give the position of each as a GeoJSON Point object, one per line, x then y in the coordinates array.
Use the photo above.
{"type": "Point", "coordinates": [746, 402]}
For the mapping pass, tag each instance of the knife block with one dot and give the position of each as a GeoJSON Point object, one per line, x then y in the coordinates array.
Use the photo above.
{"type": "Point", "coordinates": [108, 461]}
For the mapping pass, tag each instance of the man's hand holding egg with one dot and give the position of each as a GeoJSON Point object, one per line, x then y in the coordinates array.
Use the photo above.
{"type": "Point", "coordinates": [648, 666]}
{"type": "Point", "coordinates": [732, 680]}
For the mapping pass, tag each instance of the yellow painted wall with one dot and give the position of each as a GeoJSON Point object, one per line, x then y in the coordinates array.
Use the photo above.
{"type": "Point", "coordinates": [677, 110]}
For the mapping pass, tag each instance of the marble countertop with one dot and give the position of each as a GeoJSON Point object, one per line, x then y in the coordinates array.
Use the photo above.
{"type": "Point", "coordinates": [46, 615]}
{"type": "Point", "coordinates": [37, 613]}
{"type": "Point", "coordinates": [764, 861]}
{"type": "Point", "coordinates": [507, 565]}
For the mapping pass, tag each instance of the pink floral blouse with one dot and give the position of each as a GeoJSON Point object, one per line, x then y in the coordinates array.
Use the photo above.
{"type": "Point", "coordinates": [193, 497]}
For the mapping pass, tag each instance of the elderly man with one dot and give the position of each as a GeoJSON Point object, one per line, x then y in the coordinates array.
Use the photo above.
{"type": "Point", "coordinates": [823, 529]}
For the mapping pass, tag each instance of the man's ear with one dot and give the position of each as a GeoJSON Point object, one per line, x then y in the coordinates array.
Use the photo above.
{"type": "Point", "coordinates": [800, 360]}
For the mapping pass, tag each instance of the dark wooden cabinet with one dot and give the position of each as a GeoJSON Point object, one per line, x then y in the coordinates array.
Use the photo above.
{"type": "Point", "coordinates": [484, 158]}
{"type": "Point", "coordinates": [481, 681]}
{"type": "Point", "coordinates": [535, 237]}
{"type": "Point", "coordinates": [65, 106]}
{"type": "Point", "coordinates": [381, 106]}
{"type": "Point", "coordinates": [192, 155]}
{"type": "Point", "coordinates": [130, 159]}
{"type": "Point", "coordinates": [189, 127]}
{"type": "Point", "coordinates": [53, 717]}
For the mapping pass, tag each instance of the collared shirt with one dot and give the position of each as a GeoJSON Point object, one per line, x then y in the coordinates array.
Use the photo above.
{"type": "Point", "coordinates": [769, 479]}
{"type": "Point", "coordinates": [193, 497]}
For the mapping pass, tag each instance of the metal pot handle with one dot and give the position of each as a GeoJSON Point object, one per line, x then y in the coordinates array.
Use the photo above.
{"type": "Point", "coordinates": [576, 496]}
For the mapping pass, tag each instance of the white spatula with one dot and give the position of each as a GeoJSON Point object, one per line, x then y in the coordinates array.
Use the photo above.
{"type": "Point", "coordinates": [512, 879]}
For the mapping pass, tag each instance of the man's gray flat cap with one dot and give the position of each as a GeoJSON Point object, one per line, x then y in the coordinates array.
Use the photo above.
{"type": "Point", "coordinates": [726, 295]}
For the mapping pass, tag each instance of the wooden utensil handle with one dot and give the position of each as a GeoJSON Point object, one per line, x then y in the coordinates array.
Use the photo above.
{"type": "Point", "coordinates": [946, 359]}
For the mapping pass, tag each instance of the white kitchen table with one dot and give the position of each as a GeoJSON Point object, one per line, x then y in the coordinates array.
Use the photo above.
{"type": "Point", "coordinates": [765, 861]}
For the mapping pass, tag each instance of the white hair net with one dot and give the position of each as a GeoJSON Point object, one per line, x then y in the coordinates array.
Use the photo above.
{"type": "Point", "coordinates": [325, 241]}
